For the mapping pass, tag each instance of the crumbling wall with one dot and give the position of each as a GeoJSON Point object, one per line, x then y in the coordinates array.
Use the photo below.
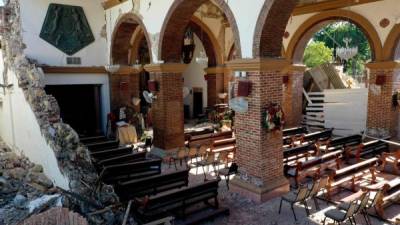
{"type": "Point", "coordinates": [71, 157]}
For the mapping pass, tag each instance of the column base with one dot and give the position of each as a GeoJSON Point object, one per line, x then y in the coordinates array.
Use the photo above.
{"type": "Point", "coordinates": [162, 153]}
{"type": "Point", "coordinates": [260, 194]}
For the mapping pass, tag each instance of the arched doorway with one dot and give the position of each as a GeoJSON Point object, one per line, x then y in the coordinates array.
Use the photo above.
{"type": "Point", "coordinates": [391, 48]}
{"type": "Point", "coordinates": [186, 20]}
{"type": "Point", "coordinates": [130, 49]}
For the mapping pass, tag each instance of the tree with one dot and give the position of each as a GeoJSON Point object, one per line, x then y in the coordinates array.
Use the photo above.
{"type": "Point", "coordinates": [333, 34]}
{"type": "Point", "coordinates": [317, 53]}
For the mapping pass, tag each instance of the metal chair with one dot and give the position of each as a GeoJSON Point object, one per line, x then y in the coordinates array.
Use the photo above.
{"type": "Point", "coordinates": [202, 152]}
{"type": "Point", "coordinates": [313, 192]}
{"type": "Point", "coordinates": [340, 216]}
{"type": "Point", "coordinates": [207, 162]}
{"type": "Point", "coordinates": [180, 155]}
{"type": "Point", "coordinates": [362, 204]}
{"type": "Point", "coordinates": [293, 198]}
{"type": "Point", "coordinates": [192, 154]}
{"type": "Point", "coordinates": [227, 172]}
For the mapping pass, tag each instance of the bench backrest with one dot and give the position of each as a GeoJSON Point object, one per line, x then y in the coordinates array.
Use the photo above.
{"type": "Point", "coordinates": [127, 158]}
{"type": "Point", "coordinates": [222, 142]}
{"type": "Point", "coordinates": [105, 154]}
{"type": "Point", "coordinates": [210, 137]}
{"type": "Point", "coordinates": [319, 160]}
{"type": "Point", "coordinates": [355, 168]}
{"type": "Point", "coordinates": [131, 168]}
{"type": "Point", "coordinates": [393, 186]}
{"type": "Point", "coordinates": [294, 131]}
{"type": "Point", "coordinates": [374, 147]}
{"type": "Point", "coordinates": [297, 150]}
{"type": "Point", "coordinates": [183, 194]}
{"type": "Point", "coordinates": [311, 137]}
{"type": "Point", "coordinates": [95, 147]}
{"type": "Point", "coordinates": [151, 185]}
{"type": "Point", "coordinates": [352, 140]}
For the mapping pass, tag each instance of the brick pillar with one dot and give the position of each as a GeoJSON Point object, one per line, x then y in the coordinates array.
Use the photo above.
{"type": "Point", "coordinates": [167, 109]}
{"type": "Point", "coordinates": [215, 84]}
{"type": "Point", "coordinates": [124, 85]}
{"type": "Point", "coordinates": [259, 153]}
{"type": "Point", "coordinates": [381, 113]}
{"type": "Point", "coordinates": [293, 95]}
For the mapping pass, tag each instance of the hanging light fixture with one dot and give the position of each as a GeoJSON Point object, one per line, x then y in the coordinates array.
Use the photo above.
{"type": "Point", "coordinates": [347, 52]}
{"type": "Point", "coordinates": [202, 58]}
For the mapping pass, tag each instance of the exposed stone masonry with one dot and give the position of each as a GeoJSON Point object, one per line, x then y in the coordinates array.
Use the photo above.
{"type": "Point", "coordinates": [72, 157]}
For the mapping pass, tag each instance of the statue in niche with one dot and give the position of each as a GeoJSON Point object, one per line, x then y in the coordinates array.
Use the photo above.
{"type": "Point", "coordinates": [66, 28]}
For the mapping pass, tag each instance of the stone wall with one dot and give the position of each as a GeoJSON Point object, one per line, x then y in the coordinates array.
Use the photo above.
{"type": "Point", "coordinates": [72, 157]}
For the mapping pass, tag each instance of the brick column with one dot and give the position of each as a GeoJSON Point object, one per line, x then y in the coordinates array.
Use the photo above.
{"type": "Point", "coordinates": [124, 85]}
{"type": "Point", "coordinates": [167, 109]}
{"type": "Point", "coordinates": [259, 153]}
{"type": "Point", "coordinates": [293, 95]}
{"type": "Point", "coordinates": [215, 84]}
{"type": "Point", "coordinates": [381, 113]}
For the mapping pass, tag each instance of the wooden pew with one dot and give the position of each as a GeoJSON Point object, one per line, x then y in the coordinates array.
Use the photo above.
{"type": "Point", "coordinates": [129, 171]}
{"type": "Point", "coordinates": [221, 145]}
{"type": "Point", "coordinates": [338, 143]}
{"type": "Point", "coordinates": [290, 132]}
{"type": "Point", "coordinates": [93, 139]}
{"type": "Point", "coordinates": [392, 159]}
{"type": "Point", "coordinates": [106, 154]}
{"type": "Point", "coordinates": [208, 138]}
{"type": "Point", "coordinates": [130, 189]}
{"type": "Point", "coordinates": [176, 202]}
{"type": "Point", "coordinates": [315, 136]}
{"type": "Point", "coordinates": [351, 174]}
{"type": "Point", "coordinates": [190, 134]}
{"type": "Point", "coordinates": [295, 153]}
{"type": "Point", "coordinates": [127, 158]}
{"type": "Point", "coordinates": [100, 146]}
{"type": "Point", "coordinates": [317, 164]}
{"type": "Point", "coordinates": [366, 150]}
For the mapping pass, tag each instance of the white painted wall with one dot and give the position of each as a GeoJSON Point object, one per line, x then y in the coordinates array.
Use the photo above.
{"type": "Point", "coordinates": [194, 76]}
{"type": "Point", "coordinates": [33, 13]}
{"type": "Point", "coordinates": [346, 110]}
{"type": "Point", "coordinates": [20, 130]}
{"type": "Point", "coordinates": [75, 79]}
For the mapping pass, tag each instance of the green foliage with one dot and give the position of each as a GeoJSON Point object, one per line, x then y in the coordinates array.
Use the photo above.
{"type": "Point", "coordinates": [338, 31]}
{"type": "Point", "coordinates": [317, 53]}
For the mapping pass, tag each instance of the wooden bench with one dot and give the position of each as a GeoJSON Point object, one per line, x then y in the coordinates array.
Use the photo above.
{"type": "Point", "coordinates": [193, 133]}
{"type": "Point", "coordinates": [130, 189]}
{"type": "Point", "coordinates": [339, 143]}
{"type": "Point", "coordinates": [392, 159]}
{"type": "Point", "coordinates": [366, 150]}
{"type": "Point", "coordinates": [106, 154]}
{"type": "Point", "coordinates": [391, 194]}
{"type": "Point", "coordinates": [319, 135]}
{"type": "Point", "coordinates": [317, 164]}
{"type": "Point", "coordinates": [93, 139]}
{"type": "Point", "coordinates": [127, 158]}
{"type": "Point", "coordinates": [290, 132]}
{"type": "Point", "coordinates": [208, 138]}
{"type": "Point", "coordinates": [351, 174]}
{"type": "Point", "coordinates": [295, 153]}
{"type": "Point", "coordinates": [228, 144]}
{"type": "Point", "coordinates": [129, 171]}
{"type": "Point", "coordinates": [101, 146]}
{"type": "Point", "coordinates": [176, 203]}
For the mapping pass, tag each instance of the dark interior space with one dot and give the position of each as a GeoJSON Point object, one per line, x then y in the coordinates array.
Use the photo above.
{"type": "Point", "coordinates": [79, 106]}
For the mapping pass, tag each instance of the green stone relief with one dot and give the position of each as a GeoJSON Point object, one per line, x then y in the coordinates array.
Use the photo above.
{"type": "Point", "coordinates": [66, 28]}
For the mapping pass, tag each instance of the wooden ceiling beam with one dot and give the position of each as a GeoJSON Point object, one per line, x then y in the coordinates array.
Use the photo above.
{"type": "Point", "coordinates": [111, 3]}
{"type": "Point", "coordinates": [328, 5]}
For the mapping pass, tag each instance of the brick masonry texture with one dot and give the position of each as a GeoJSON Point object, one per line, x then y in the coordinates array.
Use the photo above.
{"type": "Point", "coordinates": [293, 99]}
{"type": "Point", "coordinates": [259, 153]}
{"type": "Point", "coordinates": [215, 85]}
{"type": "Point", "coordinates": [168, 111]}
{"type": "Point", "coordinates": [381, 113]}
{"type": "Point", "coordinates": [123, 88]}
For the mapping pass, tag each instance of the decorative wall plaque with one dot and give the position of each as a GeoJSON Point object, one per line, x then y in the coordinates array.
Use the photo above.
{"type": "Point", "coordinates": [66, 28]}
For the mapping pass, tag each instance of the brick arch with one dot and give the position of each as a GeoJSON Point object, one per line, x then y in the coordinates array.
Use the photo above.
{"type": "Point", "coordinates": [304, 33]}
{"type": "Point", "coordinates": [270, 28]}
{"type": "Point", "coordinates": [391, 49]}
{"type": "Point", "coordinates": [121, 44]}
{"type": "Point", "coordinates": [210, 43]}
{"type": "Point", "coordinates": [176, 21]}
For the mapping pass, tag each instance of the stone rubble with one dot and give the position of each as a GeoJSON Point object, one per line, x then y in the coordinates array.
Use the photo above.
{"type": "Point", "coordinates": [73, 158]}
